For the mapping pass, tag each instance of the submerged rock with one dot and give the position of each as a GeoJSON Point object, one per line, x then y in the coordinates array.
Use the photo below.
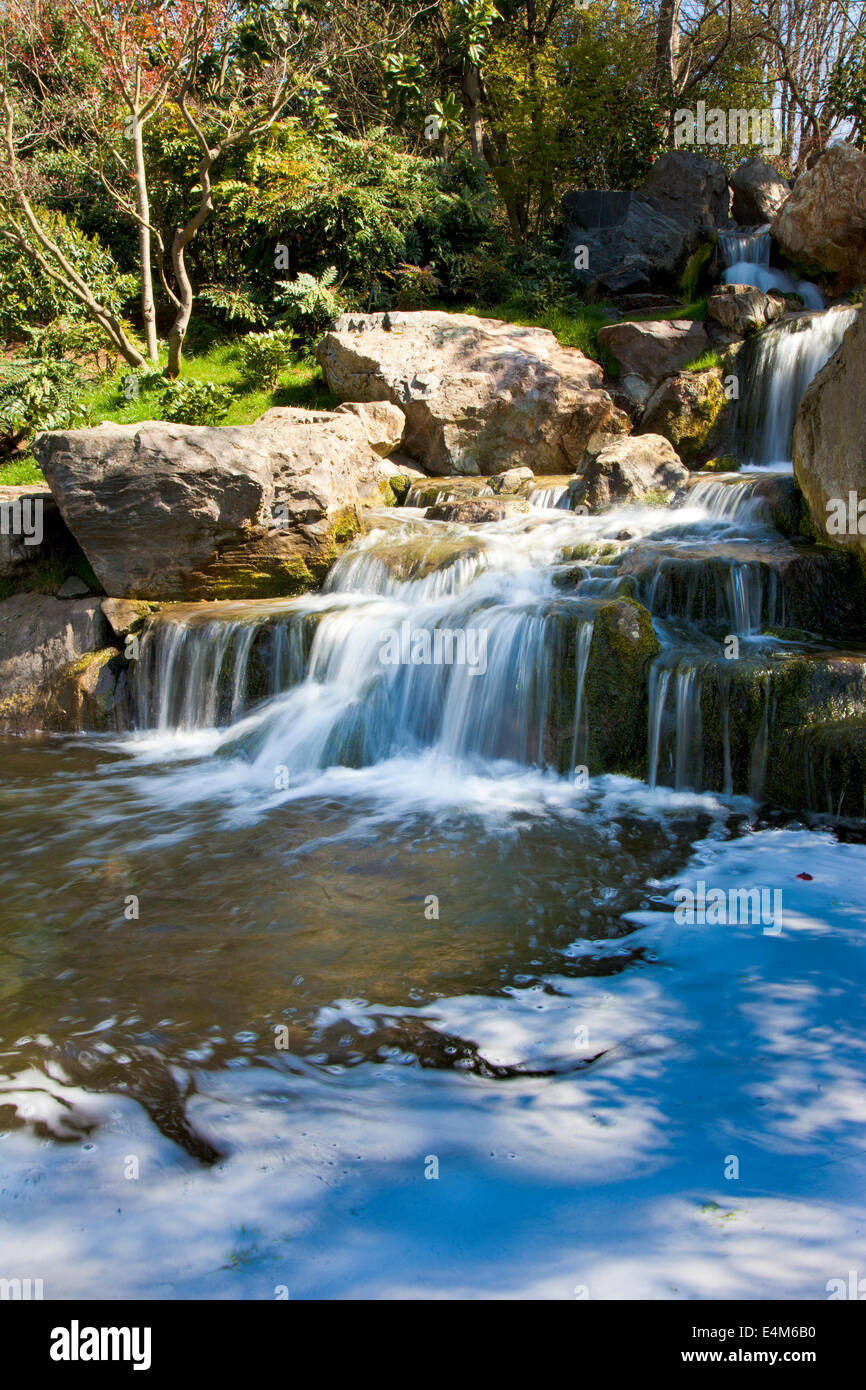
{"type": "Point", "coordinates": [474, 391]}
{"type": "Point", "coordinates": [473, 512]}
{"type": "Point", "coordinates": [165, 511]}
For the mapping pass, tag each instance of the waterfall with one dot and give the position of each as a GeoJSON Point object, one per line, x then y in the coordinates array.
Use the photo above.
{"type": "Point", "coordinates": [781, 362]}
{"type": "Point", "coordinates": [731, 499]}
{"type": "Point", "coordinates": [750, 248]}
{"type": "Point", "coordinates": [545, 498]}
{"type": "Point", "coordinates": [198, 669]}
{"type": "Point", "coordinates": [747, 262]}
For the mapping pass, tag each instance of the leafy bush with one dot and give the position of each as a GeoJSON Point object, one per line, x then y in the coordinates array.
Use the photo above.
{"type": "Point", "coordinates": [310, 306]}
{"type": "Point", "coordinates": [38, 395]}
{"type": "Point", "coordinates": [415, 283]}
{"type": "Point", "coordinates": [195, 403]}
{"type": "Point", "coordinates": [29, 298]}
{"type": "Point", "coordinates": [263, 356]}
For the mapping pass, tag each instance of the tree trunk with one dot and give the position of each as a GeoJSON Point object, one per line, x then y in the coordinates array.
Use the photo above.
{"type": "Point", "coordinates": [472, 97]}
{"type": "Point", "coordinates": [667, 47]}
{"type": "Point", "coordinates": [148, 309]}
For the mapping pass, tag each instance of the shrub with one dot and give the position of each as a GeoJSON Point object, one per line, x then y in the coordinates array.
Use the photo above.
{"type": "Point", "coordinates": [39, 395]}
{"type": "Point", "coordinates": [195, 403]}
{"type": "Point", "coordinates": [263, 356]}
{"type": "Point", "coordinates": [310, 306]}
{"type": "Point", "coordinates": [29, 298]}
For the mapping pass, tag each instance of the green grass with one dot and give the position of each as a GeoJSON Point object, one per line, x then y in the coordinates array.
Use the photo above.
{"type": "Point", "coordinates": [697, 310]}
{"type": "Point", "coordinates": [21, 470]}
{"type": "Point", "coordinates": [301, 384]}
{"type": "Point", "coordinates": [707, 359]}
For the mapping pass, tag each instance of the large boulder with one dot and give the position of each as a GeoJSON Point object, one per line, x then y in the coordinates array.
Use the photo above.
{"type": "Point", "coordinates": [649, 352]}
{"type": "Point", "coordinates": [44, 642]}
{"type": "Point", "coordinates": [691, 188]}
{"type": "Point", "coordinates": [631, 468]}
{"type": "Point", "coordinates": [822, 225]}
{"type": "Point", "coordinates": [640, 239]}
{"type": "Point", "coordinates": [167, 511]}
{"type": "Point", "coordinates": [475, 392]}
{"type": "Point", "coordinates": [742, 309]}
{"type": "Point", "coordinates": [830, 444]}
{"type": "Point", "coordinates": [688, 410]}
{"type": "Point", "coordinates": [759, 192]}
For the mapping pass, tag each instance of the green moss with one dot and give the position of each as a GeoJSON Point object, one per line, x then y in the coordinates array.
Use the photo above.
{"type": "Point", "coordinates": [694, 275]}
{"type": "Point", "coordinates": [724, 463]}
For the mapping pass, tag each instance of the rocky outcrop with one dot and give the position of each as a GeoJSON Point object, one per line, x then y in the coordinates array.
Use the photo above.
{"type": "Point", "coordinates": [46, 642]}
{"type": "Point", "coordinates": [830, 444]}
{"type": "Point", "coordinates": [166, 511]}
{"type": "Point", "coordinates": [822, 225]}
{"type": "Point", "coordinates": [648, 353]}
{"type": "Point", "coordinates": [759, 192]}
{"type": "Point", "coordinates": [742, 309]}
{"type": "Point", "coordinates": [630, 469]}
{"type": "Point", "coordinates": [689, 410]}
{"type": "Point", "coordinates": [473, 391]}
{"type": "Point", "coordinates": [692, 189]}
{"type": "Point", "coordinates": [629, 242]}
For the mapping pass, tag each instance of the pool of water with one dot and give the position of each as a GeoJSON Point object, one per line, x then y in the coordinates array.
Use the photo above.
{"type": "Point", "coordinates": [423, 1029]}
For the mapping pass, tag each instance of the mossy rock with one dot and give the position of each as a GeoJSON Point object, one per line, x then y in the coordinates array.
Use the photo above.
{"type": "Point", "coordinates": [91, 694]}
{"type": "Point", "coordinates": [624, 644]}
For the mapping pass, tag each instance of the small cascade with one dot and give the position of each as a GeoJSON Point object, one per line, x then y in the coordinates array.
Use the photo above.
{"type": "Point", "coordinates": [721, 592]}
{"type": "Point", "coordinates": [730, 498]}
{"type": "Point", "coordinates": [780, 363]}
{"type": "Point", "coordinates": [581, 722]}
{"type": "Point", "coordinates": [746, 247]}
{"type": "Point", "coordinates": [747, 260]}
{"type": "Point", "coordinates": [200, 670]}
{"type": "Point", "coordinates": [548, 498]}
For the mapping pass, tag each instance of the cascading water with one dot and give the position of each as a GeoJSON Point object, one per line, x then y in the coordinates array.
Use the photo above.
{"type": "Point", "coordinates": [779, 365]}
{"type": "Point", "coordinates": [747, 260]}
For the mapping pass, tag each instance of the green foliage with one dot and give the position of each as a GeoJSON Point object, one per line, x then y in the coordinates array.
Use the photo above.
{"type": "Point", "coordinates": [37, 394]}
{"type": "Point", "coordinates": [415, 284]}
{"type": "Point", "coordinates": [309, 305]}
{"type": "Point", "coordinates": [195, 403]}
{"type": "Point", "coordinates": [263, 356]}
{"type": "Point", "coordinates": [241, 303]}
{"type": "Point", "coordinates": [29, 299]}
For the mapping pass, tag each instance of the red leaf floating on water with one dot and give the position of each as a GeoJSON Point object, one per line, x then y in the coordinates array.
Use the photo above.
{"type": "Point", "coordinates": [807, 877]}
